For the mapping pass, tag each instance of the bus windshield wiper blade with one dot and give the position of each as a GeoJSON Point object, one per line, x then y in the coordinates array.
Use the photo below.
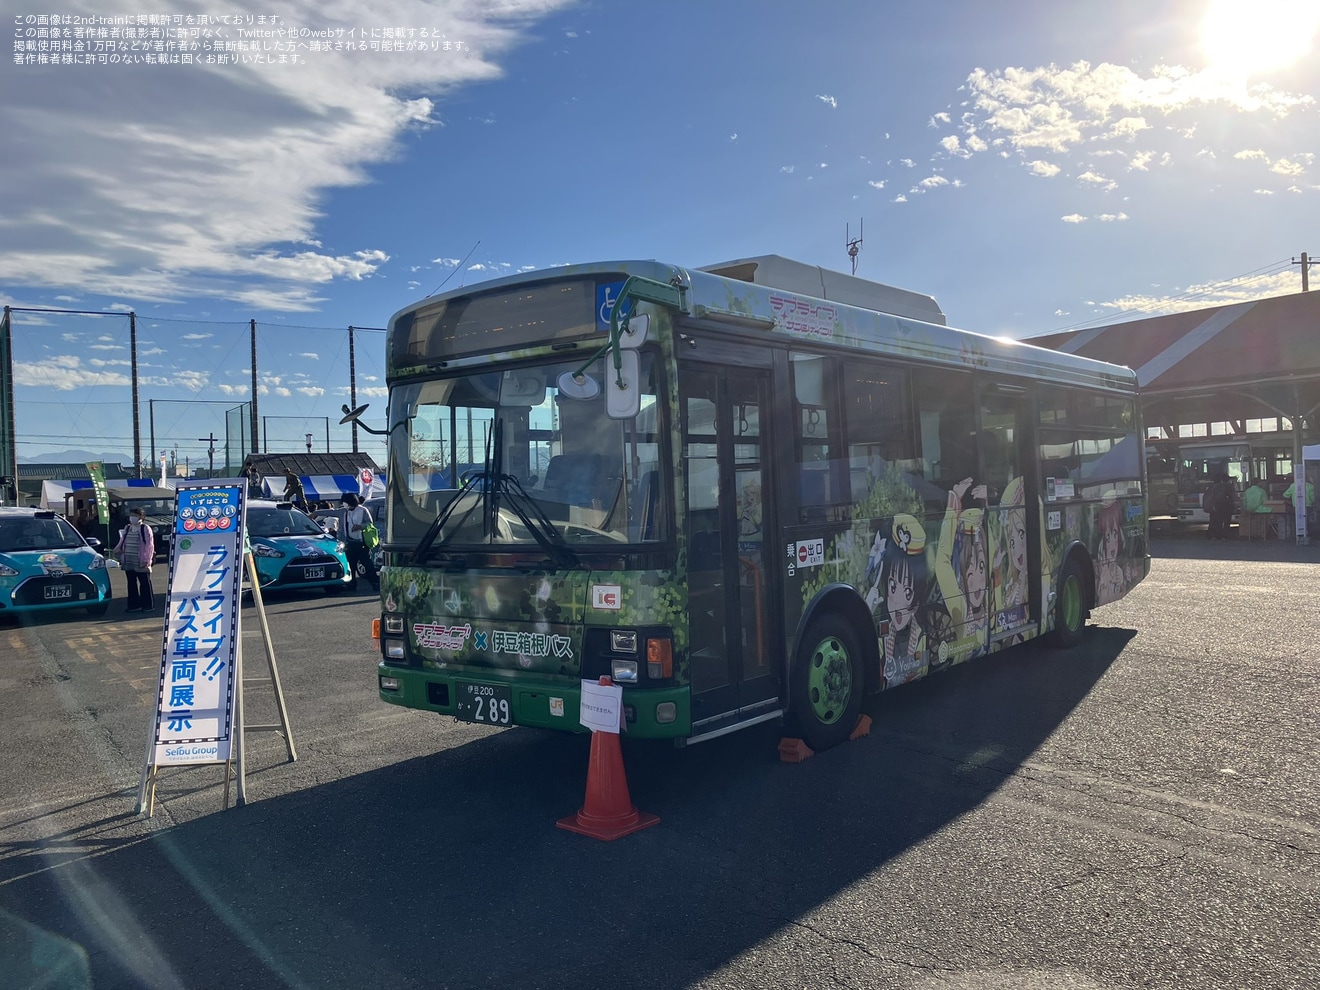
{"type": "Point", "coordinates": [537, 522]}
{"type": "Point", "coordinates": [438, 523]}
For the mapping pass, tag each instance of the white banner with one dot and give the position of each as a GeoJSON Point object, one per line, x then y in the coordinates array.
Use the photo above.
{"type": "Point", "coordinates": [195, 701]}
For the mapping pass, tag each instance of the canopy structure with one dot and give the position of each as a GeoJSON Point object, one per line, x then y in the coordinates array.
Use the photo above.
{"type": "Point", "coordinates": [1243, 361]}
{"type": "Point", "coordinates": [325, 487]}
{"type": "Point", "coordinates": [53, 492]}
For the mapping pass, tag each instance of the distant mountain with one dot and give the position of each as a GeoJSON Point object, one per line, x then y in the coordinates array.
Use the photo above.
{"type": "Point", "coordinates": [75, 457]}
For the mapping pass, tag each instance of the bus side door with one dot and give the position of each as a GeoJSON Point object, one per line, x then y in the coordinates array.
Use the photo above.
{"type": "Point", "coordinates": [726, 449]}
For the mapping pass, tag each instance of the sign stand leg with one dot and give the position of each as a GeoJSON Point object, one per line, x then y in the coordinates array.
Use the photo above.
{"type": "Point", "coordinates": [283, 728]}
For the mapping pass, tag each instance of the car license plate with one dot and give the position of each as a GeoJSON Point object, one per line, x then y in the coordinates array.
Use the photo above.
{"type": "Point", "coordinates": [54, 591]}
{"type": "Point", "coordinates": [313, 573]}
{"type": "Point", "coordinates": [489, 704]}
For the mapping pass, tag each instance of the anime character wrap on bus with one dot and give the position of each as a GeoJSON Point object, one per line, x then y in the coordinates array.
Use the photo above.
{"type": "Point", "coordinates": [938, 590]}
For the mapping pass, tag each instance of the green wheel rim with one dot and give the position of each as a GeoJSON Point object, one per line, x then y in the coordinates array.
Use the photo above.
{"type": "Point", "coordinates": [829, 680]}
{"type": "Point", "coordinates": [1072, 603]}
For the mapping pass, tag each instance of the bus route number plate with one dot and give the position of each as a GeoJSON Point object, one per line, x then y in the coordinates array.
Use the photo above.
{"type": "Point", "coordinates": [489, 704]}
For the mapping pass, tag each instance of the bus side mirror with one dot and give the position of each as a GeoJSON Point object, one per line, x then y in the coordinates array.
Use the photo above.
{"type": "Point", "coordinates": [623, 392]}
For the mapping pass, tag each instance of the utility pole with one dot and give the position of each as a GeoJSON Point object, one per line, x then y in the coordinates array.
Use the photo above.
{"type": "Point", "coordinates": [1306, 264]}
{"type": "Point", "coordinates": [210, 438]}
{"type": "Point", "coordinates": [352, 384]}
{"type": "Point", "coordinates": [137, 416]}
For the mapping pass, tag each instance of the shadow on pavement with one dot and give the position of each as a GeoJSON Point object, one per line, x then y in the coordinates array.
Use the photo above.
{"type": "Point", "coordinates": [447, 870]}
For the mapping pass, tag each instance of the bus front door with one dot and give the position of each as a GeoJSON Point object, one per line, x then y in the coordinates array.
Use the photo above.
{"type": "Point", "coordinates": [734, 678]}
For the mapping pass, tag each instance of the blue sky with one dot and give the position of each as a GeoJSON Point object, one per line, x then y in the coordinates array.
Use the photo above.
{"type": "Point", "coordinates": [1032, 166]}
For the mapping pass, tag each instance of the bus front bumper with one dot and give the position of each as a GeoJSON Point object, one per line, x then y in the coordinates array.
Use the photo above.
{"type": "Point", "coordinates": [543, 702]}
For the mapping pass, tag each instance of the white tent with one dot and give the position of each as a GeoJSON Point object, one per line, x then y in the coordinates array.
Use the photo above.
{"type": "Point", "coordinates": [325, 487]}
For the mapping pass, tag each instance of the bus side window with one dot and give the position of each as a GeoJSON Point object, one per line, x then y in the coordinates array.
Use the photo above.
{"type": "Point", "coordinates": [814, 446]}
{"type": "Point", "coordinates": [945, 428]}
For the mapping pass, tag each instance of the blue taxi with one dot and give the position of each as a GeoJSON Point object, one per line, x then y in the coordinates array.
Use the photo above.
{"type": "Point", "coordinates": [292, 550]}
{"type": "Point", "coordinates": [46, 564]}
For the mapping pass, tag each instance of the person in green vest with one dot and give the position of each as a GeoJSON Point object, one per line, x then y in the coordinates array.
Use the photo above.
{"type": "Point", "coordinates": [1310, 500]}
{"type": "Point", "coordinates": [1254, 510]}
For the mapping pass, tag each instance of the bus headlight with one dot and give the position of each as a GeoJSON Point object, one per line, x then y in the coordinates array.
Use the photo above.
{"type": "Point", "coordinates": [389, 684]}
{"type": "Point", "coordinates": [624, 671]}
{"type": "Point", "coordinates": [623, 640]}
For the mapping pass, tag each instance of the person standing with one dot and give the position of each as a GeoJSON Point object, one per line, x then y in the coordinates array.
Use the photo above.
{"type": "Point", "coordinates": [293, 490]}
{"type": "Point", "coordinates": [1288, 497]}
{"type": "Point", "coordinates": [1254, 511]}
{"type": "Point", "coordinates": [1219, 506]}
{"type": "Point", "coordinates": [136, 550]}
{"type": "Point", "coordinates": [356, 518]}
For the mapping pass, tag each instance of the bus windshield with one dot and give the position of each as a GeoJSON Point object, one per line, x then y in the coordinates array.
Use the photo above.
{"type": "Point", "coordinates": [525, 456]}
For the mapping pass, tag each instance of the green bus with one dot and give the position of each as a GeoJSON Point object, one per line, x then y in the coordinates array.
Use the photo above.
{"type": "Point", "coordinates": [751, 492]}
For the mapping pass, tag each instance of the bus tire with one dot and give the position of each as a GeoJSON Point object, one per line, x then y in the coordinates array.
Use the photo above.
{"type": "Point", "coordinates": [828, 683]}
{"type": "Point", "coordinates": [1071, 605]}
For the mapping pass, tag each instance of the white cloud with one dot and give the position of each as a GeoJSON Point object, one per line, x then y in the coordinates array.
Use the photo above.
{"type": "Point", "coordinates": [876, 183]}
{"type": "Point", "coordinates": [936, 119]}
{"type": "Point", "coordinates": [930, 182]}
{"type": "Point", "coordinates": [1057, 108]}
{"type": "Point", "coordinates": [131, 185]}
{"type": "Point", "coordinates": [1289, 167]}
{"type": "Point", "coordinates": [1263, 192]}
{"type": "Point", "coordinates": [900, 198]}
{"type": "Point", "coordinates": [951, 144]}
{"type": "Point", "coordinates": [788, 169]}
{"type": "Point", "coordinates": [447, 262]}
{"type": "Point", "coordinates": [733, 136]}
{"type": "Point", "coordinates": [310, 356]}
{"type": "Point", "coordinates": [1073, 218]}
{"type": "Point", "coordinates": [310, 390]}
{"type": "Point", "coordinates": [1140, 162]}
{"type": "Point", "coordinates": [1096, 179]}
{"type": "Point", "coordinates": [1111, 217]}
{"type": "Point", "coordinates": [64, 372]}
{"type": "Point", "coordinates": [1045, 169]}
{"type": "Point", "coordinates": [828, 101]}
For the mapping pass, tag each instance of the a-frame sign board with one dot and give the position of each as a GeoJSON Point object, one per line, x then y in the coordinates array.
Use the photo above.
{"type": "Point", "coordinates": [198, 713]}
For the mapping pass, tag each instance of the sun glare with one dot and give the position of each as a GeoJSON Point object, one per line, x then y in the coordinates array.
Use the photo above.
{"type": "Point", "coordinates": [1250, 37]}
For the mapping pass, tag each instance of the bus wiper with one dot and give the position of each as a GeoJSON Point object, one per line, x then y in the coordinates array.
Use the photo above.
{"type": "Point", "coordinates": [487, 504]}
{"type": "Point", "coordinates": [438, 523]}
{"type": "Point", "coordinates": [537, 522]}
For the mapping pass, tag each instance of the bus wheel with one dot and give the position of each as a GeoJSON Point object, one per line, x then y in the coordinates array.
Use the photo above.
{"type": "Point", "coordinates": [1070, 609]}
{"type": "Point", "coordinates": [828, 683]}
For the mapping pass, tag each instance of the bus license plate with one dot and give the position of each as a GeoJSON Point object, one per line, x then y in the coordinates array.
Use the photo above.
{"type": "Point", "coordinates": [313, 573]}
{"type": "Point", "coordinates": [54, 591]}
{"type": "Point", "coordinates": [486, 703]}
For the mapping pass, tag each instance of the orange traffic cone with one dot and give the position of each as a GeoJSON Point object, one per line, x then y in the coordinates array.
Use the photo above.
{"type": "Point", "coordinates": [608, 812]}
